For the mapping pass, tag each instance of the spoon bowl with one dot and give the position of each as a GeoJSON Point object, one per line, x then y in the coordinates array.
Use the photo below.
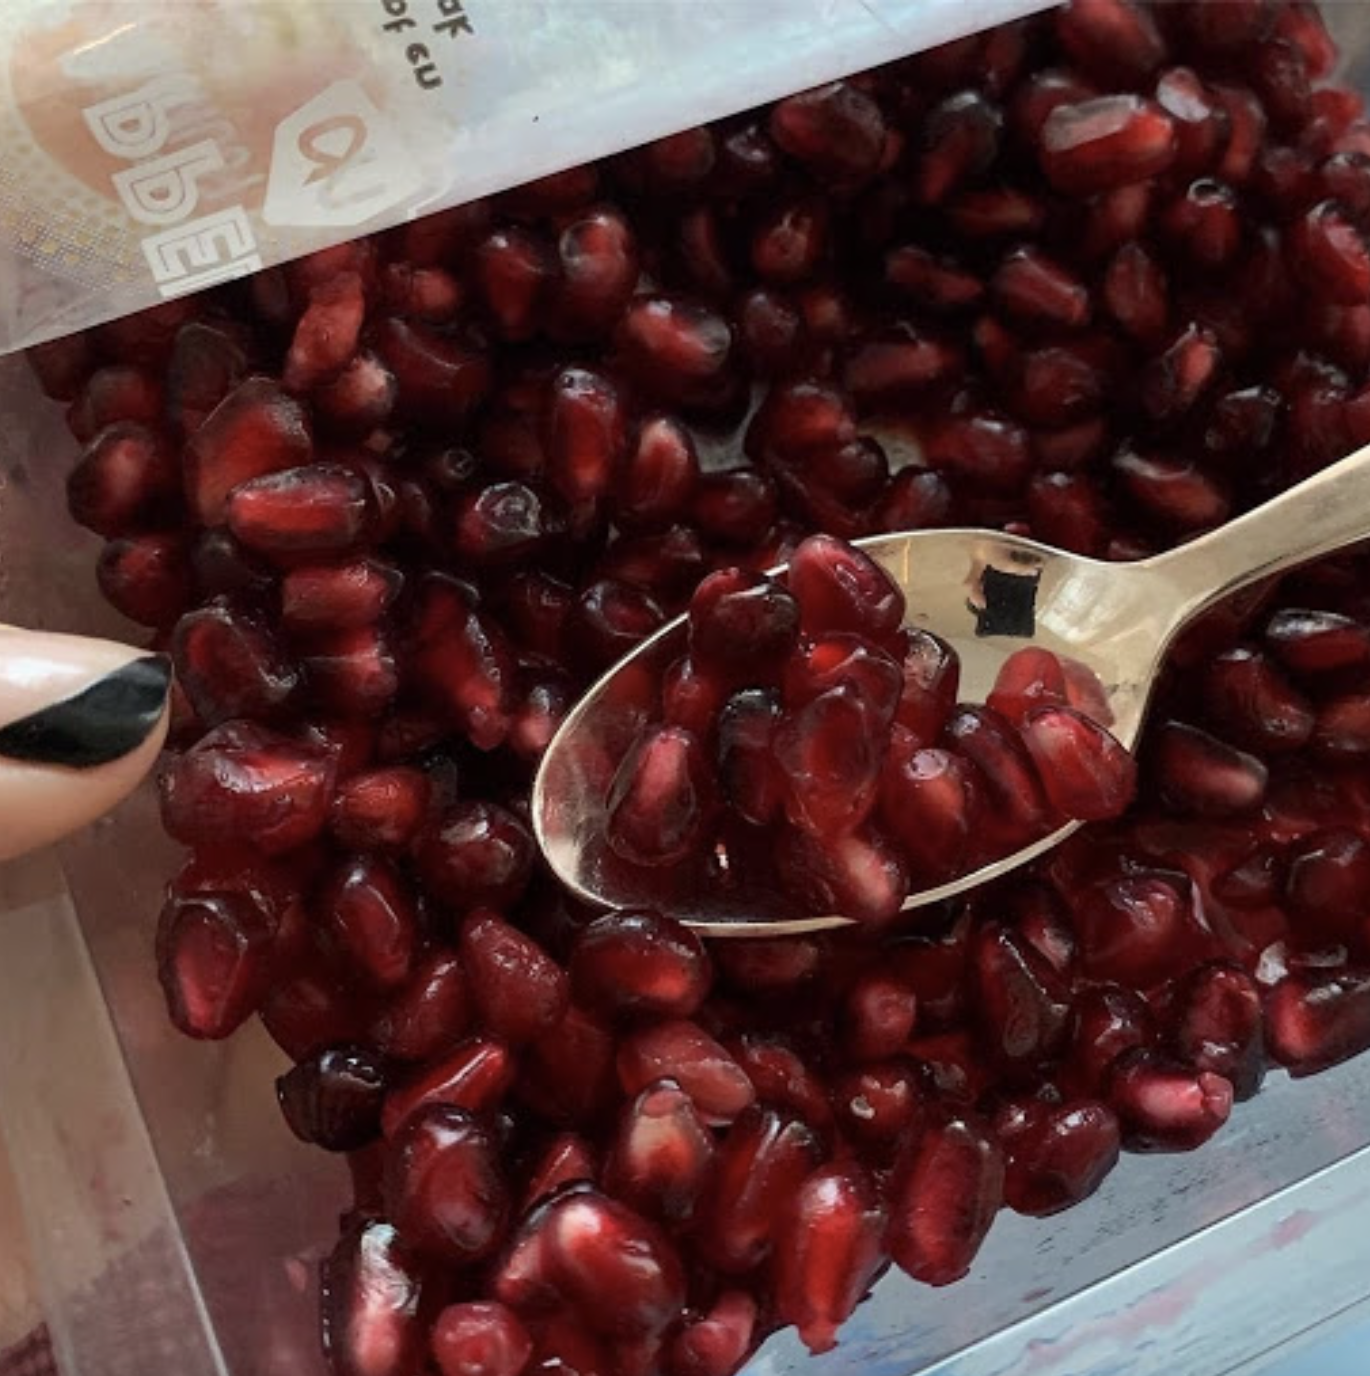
{"type": "Point", "coordinates": [987, 594]}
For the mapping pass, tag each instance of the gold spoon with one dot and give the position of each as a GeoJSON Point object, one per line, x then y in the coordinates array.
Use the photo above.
{"type": "Point", "coordinates": [987, 594]}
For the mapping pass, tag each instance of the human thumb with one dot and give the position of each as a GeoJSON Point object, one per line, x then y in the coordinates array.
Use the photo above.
{"type": "Point", "coordinates": [81, 722]}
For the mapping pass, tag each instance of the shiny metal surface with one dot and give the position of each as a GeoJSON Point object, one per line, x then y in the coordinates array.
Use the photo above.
{"type": "Point", "coordinates": [986, 593]}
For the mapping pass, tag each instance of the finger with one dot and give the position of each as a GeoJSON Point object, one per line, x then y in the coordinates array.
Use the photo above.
{"type": "Point", "coordinates": [81, 722]}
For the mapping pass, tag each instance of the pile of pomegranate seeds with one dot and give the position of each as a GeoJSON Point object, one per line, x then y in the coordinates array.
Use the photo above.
{"type": "Point", "coordinates": [1100, 277]}
{"type": "Point", "coordinates": [807, 732]}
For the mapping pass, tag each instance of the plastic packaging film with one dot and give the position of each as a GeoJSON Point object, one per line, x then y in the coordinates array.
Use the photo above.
{"type": "Point", "coordinates": [153, 150]}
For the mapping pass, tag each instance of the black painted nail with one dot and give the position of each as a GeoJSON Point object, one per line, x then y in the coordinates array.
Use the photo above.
{"type": "Point", "coordinates": [103, 723]}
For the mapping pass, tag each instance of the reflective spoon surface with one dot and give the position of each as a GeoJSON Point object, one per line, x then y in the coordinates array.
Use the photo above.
{"type": "Point", "coordinates": [987, 594]}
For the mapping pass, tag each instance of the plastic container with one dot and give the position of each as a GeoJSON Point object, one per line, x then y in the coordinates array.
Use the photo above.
{"type": "Point", "coordinates": [173, 1225]}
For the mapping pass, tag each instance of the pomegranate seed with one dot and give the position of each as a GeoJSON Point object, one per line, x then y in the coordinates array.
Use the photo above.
{"type": "Point", "coordinates": [598, 259]}
{"type": "Point", "coordinates": [326, 333]}
{"type": "Point", "coordinates": [844, 661]}
{"type": "Point", "coordinates": [519, 991]}
{"type": "Point", "coordinates": [717, 1343]}
{"type": "Point", "coordinates": [877, 1018]}
{"type": "Point", "coordinates": [858, 874]}
{"type": "Point", "coordinates": [256, 430]}
{"type": "Point", "coordinates": [271, 792]}
{"type": "Point", "coordinates": [512, 271]}
{"type": "Point", "coordinates": [761, 1163]}
{"type": "Point", "coordinates": [428, 294]}
{"type": "Point", "coordinates": [146, 578]}
{"type": "Point", "coordinates": [1329, 256]}
{"type": "Point", "coordinates": [1112, 40]}
{"type": "Point", "coordinates": [1060, 1156]}
{"type": "Point", "coordinates": [443, 1187]}
{"type": "Point", "coordinates": [1280, 76]}
{"type": "Point", "coordinates": [369, 1293]}
{"type": "Point", "coordinates": [678, 349]}
{"type": "Point", "coordinates": [339, 596]}
{"type": "Point", "coordinates": [127, 480]}
{"type": "Point", "coordinates": [790, 241]}
{"type": "Point", "coordinates": [1317, 642]}
{"type": "Point", "coordinates": [359, 399]}
{"type": "Point", "coordinates": [230, 666]}
{"type": "Point", "coordinates": [1085, 772]}
{"type": "Point", "coordinates": [440, 379]}
{"type": "Point", "coordinates": [583, 432]}
{"type": "Point", "coordinates": [429, 1014]}
{"type": "Point", "coordinates": [735, 507]}
{"type": "Point", "coordinates": [1022, 1004]}
{"type": "Point", "coordinates": [1171, 385]}
{"type": "Point", "coordinates": [661, 1155]}
{"type": "Point", "coordinates": [475, 1076]}
{"type": "Point", "coordinates": [982, 450]}
{"type": "Point", "coordinates": [1317, 1018]}
{"type": "Point", "coordinates": [943, 1200]}
{"type": "Point", "coordinates": [885, 367]}
{"type": "Point", "coordinates": [640, 962]}
{"type": "Point", "coordinates": [742, 622]}
{"type": "Point", "coordinates": [836, 130]}
{"type": "Point", "coordinates": [461, 658]}
{"type": "Point", "coordinates": [1166, 1106]}
{"type": "Point", "coordinates": [1342, 729]}
{"type": "Point", "coordinates": [747, 770]}
{"type": "Point", "coordinates": [352, 671]}
{"type": "Point", "coordinates": [1012, 786]}
{"type": "Point", "coordinates": [312, 1012]}
{"type": "Point", "coordinates": [677, 161]}
{"type": "Point", "coordinates": [1216, 1025]}
{"type": "Point", "coordinates": [615, 1268]}
{"type": "Point", "coordinates": [841, 589]}
{"type": "Point", "coordinates": [1136, 292]}
{"type": "Point", "coordinates": [961, 138]}
{"type": "Point", "coordinates": [113, 394]}
{"type": "Point", "coordinates": [333, 1099]}
{"type": "Point", "coordinates": [659, 477]}
{"type": "Point", "coordinates": [1204, 776]}
{"type": "Point", "coordinates": [1328, 880]}
{"type": "Point", "coordinates": [682, 1051]}
{"type": "Point", "coordinates": [880, 1106]}
{"type": "Point", "coordinates": [936, 284]}
{"type": "Point", "coordinates": [214, 958]}
{"type": "Point", "coordinates": [1138, 929]}
{"type": "Point", "coordinates": [568, 1075]}
{"type": "Point", "coordinates": [930, 801]}
{"type": "Point", "coordinates": [503, 524]}
{"type": "Point", "coordinates": [1204, 224]}
{"type": "Point", "coordinates": [780, 1076]}
{"type": "Point", "coordinates": [567, 1158]}
{"type": "Point", "coordinates": [770, 332]}
{"type": "Point", "coordinates": [1253, 702]}
{"type": "Point", "coordinates": [828, 756]}
{"type": "Point", "coordinates": [1201, 120]}
{"type": "Point", "coordinates": [1037, 290]}
{"type": "Point", "coordinates": [828, 1251]}
{"type": "Point", "coordinates": [371, 917]}
{"type": "Point", "coordinates": [611, 618]}
{"type": "Point", "coordinates": [1302, 25]}
{"type": "Point", "coordinates": [476, 855]}
{"type": "Point", "coordinates": [1027, 679]}
{"type": "Point", "coordinates": [482, 1338]}
{"type": "Point", "coordinates": [381, 809]}
{"type": "Point", "coordinates": [1101, 144]}
{"type": "Point", "coordinates": [661, 798]}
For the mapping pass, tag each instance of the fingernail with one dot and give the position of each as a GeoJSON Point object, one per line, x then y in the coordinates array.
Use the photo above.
{"type": "Point", "coordinates": [72, 703]}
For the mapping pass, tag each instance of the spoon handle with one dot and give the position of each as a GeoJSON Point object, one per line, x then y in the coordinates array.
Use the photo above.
{"type": "Point", "coordinates": [1322, 514]}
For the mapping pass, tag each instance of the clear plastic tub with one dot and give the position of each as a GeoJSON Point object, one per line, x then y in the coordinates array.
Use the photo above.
{"type": "Point", "coordinates": [173, 1225]}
